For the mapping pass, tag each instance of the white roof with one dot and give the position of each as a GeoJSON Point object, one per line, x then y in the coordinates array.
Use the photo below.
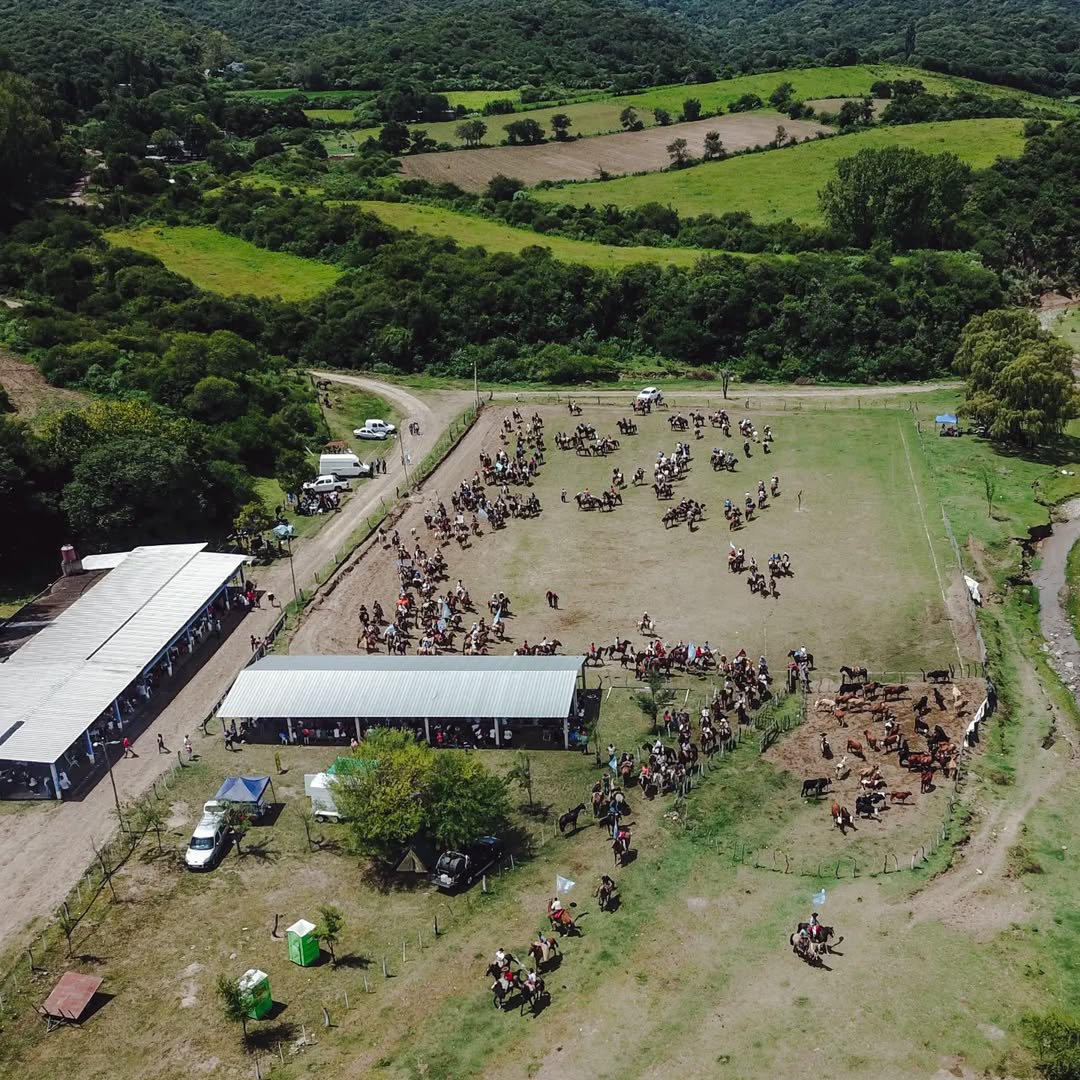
{"type": "Point", "coordinates": [405, 687]}
{"type": "Point", "coordinates": [301, 927]}
{"type": "Point", "coordinates": [56, 685]}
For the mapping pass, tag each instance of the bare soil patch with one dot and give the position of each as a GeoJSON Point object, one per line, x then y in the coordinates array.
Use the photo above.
{"type": "Point", "coordinates": [834, 104]}
{"type": "Point", "coordinates": [609, 567]}
{"type": "Point", "coordinates": [28, 390]}
{"type": "Point", "coordinates": [617, 155]}
{"type": "Point", "coordinates": [902, 824]}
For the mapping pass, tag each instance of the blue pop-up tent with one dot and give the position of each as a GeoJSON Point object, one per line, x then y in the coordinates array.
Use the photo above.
{"type": "Point", "coordinates": [945, 418]}
{"type": "Point", "coordinates": [244, 789]}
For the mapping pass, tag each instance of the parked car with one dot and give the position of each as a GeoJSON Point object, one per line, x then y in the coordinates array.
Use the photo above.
{"type": "Point", "coordinates": [459, 869]}
{"type": "Point", "coordinates": [210, 839]}
{"type": "Point", "coordinates": [374, 429]}
{"type": "Point", "coordinates": [323, 484]}
{"type": "Point", "coordinates": [651, 394]}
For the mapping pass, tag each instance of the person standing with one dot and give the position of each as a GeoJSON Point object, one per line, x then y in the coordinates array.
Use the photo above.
{"type": "Point", "coordinates": [161, 747]}
{"type": "Point", "coordinates": [129, 750]}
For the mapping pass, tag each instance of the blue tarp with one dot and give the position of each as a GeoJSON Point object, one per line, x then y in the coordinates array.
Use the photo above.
{"type": "Point", "coordinates": [945, 418]}
{"type": "Point", "coordinates": [243, 789]}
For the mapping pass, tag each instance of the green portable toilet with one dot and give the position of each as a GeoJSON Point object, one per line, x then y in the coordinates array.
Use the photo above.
{"type": "Point", "coordinates": [303, 943]}
{"type": "Point", "coordinates": [255, 992]}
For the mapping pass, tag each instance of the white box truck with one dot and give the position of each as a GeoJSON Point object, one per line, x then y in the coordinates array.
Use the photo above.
{"type": "Point", "coordinates": [342, 465]}
{"type": "Point", "coordinates": [318, 787]}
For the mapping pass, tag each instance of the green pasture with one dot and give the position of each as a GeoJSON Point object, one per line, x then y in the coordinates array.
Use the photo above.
{"type": "Point", "coordinates": [225, 264]}
{"type": "Point", "coordinates": [601, 116]}
{"type": "Point", "coordinates": [1067, 327]}
{"type": "Point", "coordinates": [780, 184]}
{"type": "Point", "coordinates": [331, 116]}
{"type": "Point", "coordinates": [311, 95]}
{"type": "Point", "coordinates": [494, 236]}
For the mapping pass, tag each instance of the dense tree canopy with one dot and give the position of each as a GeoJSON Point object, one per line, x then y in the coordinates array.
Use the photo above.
{"type": "Point", "coordinates": [1020, 383]}
{"type": "Point", "coordinates": [898, 195]}
{"type": "Point", "coordinates": [402, 789]}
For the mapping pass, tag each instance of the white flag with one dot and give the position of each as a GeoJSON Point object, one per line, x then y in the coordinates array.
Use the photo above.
{"type": "Point", "coordinates": [563, 884]}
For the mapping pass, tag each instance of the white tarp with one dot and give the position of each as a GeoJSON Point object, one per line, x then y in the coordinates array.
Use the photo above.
{"type": "Point", "coordinates": [973, 589]}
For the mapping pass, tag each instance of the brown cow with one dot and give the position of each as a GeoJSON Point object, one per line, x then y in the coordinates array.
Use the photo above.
{"type": "Point", "coordinates": [894, 691]}
{"type": "Point", "coordinates": [899, 797]}
{"type": "Point", "coordinates": [871, 741]}
{"type": "Point", "coordinates": [854, 747]}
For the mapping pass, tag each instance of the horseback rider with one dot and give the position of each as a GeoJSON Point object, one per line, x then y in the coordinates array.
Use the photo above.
{"type": "Point", "coordinates": [814, 927]}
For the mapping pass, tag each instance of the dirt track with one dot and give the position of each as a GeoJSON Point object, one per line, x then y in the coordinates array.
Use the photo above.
{"type": "Point", "coordinates": [45, 847]}
{"type": "Point", "coordinates": [616, 155]}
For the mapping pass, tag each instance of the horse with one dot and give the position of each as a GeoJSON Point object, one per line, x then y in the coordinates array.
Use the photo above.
{"type": "Point", "coordinates": [569, 819]}
{"type": "Point", "coordinates": [502, 989]}
{"type": "Point", "coordinates": [620, 848]}
{"type": "Point", "coordinates": [605, 895]}
{"type": "Point", "coordinates": [562, 922]}
{"type": "Point", "coordinates": [842, 818]}
{"type": "Point", "coordinates": [543, 952]}
{"type": "Point", "coordinates": [854, 674]}
{"type": "Point", "coordinates": [533, 996]}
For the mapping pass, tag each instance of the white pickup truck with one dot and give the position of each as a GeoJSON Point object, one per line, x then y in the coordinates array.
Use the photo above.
{"type": "Point", "coordinates": [374, 429]}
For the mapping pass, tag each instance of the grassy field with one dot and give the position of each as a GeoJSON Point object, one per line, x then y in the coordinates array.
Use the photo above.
{"type": "Point", "coordinates": [226, 264]}
{"type": "Point", "coordinates": [784, 183]}
{"type": "Point", "coordinates": [601, 116]}
{"type": "Point", "coordinates": [693, 971]}
{"type": "Point", "coordinates": [332, 116]}
{"type": "Point", "coordinates": [470, 231]}
{"type": "Point", "coordinates": [1067, 327]}
{"type": "Point", "coordinates": [311, 95]}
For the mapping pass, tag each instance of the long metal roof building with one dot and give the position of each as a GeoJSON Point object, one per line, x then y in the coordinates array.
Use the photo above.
{"type": "Point", "coordinates": [55, 687]}
{"type": "Point", "coordinates": [405, 687]}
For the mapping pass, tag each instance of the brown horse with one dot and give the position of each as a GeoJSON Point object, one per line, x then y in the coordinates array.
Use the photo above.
{"type": "Point", "coordinates": [543, 952]}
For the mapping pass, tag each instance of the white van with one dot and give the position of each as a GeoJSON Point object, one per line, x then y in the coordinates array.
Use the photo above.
{"type": "Point", "coordinates": [342, 465]}
{"type": "Point", "coordinates": [210, 839]}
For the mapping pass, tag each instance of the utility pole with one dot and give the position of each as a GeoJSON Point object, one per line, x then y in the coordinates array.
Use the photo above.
{"type": "Point", "coordinates": [292, 571]}
{"type": "Point", "coordinates": [404, 463]}
{"type": "Point", "coordinates": [112, 780]}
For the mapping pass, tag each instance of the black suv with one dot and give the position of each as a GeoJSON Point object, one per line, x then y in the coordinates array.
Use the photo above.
{"type": "Point", "coordinates": [457, 869]}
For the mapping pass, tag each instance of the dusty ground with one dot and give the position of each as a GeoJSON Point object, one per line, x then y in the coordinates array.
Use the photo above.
{"type": "Point", "coordinates": [585, 159]}
{"type": "Point", "coordinates": [608, 568]}
{"type": "Point", "coordinates": [903, 826]}
{"type": "Point", "coordinates": [28, 390]}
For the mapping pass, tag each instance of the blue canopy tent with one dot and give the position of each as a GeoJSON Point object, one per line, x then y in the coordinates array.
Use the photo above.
{"type": "Point", "coordinates": [945, 418]}
{"type": "Point", "coordinates": [245, 789]}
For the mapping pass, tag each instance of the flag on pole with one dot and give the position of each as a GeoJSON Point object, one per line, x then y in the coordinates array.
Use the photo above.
{"type": "Point", "coordinates": [563, 884]}
{"type": "Point", "coordinates": [819, 898]}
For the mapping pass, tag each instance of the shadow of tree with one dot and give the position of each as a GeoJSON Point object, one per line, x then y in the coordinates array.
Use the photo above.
{"type": "Point", "coordinates": [266, 1038]}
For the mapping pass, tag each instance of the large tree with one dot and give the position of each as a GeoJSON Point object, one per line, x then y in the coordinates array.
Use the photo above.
{"type": "Point", "coordinates": [28, 150]}
{"type": "Point", "coordinates": [897, 195]}
{"type": "Point", "coordinates": [402, 788]}
{"type": "Point", "coordinates": [1019, 379]}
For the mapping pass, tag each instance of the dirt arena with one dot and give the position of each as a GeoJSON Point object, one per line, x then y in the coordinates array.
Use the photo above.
{"type": "Point", "coordinates": [856, 522]}
{"type": "Point", "coordinates": [585, 159]}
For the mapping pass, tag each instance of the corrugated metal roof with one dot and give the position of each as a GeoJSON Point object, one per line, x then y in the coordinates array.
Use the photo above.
{"type": "Point", "coordinates": [77, 633]}
{"type": "Point", "coordinates": [59, 683]}
{"type": "Point", "coordinates": [392, 687]}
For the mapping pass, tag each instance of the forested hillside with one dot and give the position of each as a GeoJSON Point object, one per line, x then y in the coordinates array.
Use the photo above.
{"type": "Point", "coordinates": [83, 48]}
{"type": "Point", "coordinates": [1033, 46]}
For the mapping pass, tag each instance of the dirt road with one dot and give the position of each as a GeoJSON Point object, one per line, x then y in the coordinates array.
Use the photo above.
{"type": "Point", "coordinates": [45, 847]}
